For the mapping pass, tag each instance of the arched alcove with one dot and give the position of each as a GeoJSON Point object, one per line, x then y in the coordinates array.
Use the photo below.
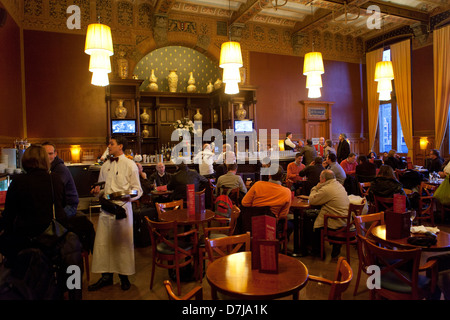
{"type": "Point", "coordinates": [184, 60]}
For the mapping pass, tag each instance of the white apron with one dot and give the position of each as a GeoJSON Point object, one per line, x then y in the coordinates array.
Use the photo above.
{"type": "Point", "coordinates": [113, 246]}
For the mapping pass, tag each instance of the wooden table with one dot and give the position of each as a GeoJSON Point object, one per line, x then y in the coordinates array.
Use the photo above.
{"type": "Point", "coordinates": [442, 244]}
{"type": "Point", "coordinates": [183, 217]}
{"type": "Point", "coordinates": [233, 275]}
{"type": "Point", "coordinates": [299, 206]}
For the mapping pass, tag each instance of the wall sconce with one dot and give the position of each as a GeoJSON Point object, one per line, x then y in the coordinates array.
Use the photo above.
{"type": "Point", "coordinates": [281, 145]}
{"type": "Point", "coordinates": [75, 151]}
{"type": "Point", "coordinates": [423, 143]}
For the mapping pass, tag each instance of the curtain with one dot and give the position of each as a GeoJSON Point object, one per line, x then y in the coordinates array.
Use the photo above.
{"type": "Point", "coordinates": [401, 62]}
{"type": "Point", "coordinates": [373, 104]}
{"type": "Point", "coordinates": [441, 61]}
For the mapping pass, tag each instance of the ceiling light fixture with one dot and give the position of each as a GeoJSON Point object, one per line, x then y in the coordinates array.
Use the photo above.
{"type": "Point", "coordinates": [99, 46]}
{"type": "Point", "coordinates": [347, 9]}
{"type": "Point", "coordinates": [231, 61]}
{"type": "Point", "coordinates": [384, 73]}
{"type": "Point", "coordinates": [313, 69]}
{"type": "Point", "coordinates": [272, 4]}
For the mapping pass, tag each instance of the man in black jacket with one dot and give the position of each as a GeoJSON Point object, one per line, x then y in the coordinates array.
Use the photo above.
{"type": "Point", "coordinates": [434, 163]}
{"type": "Point", "coordinates": [343, 149]}
{"type": "Point", "coordinates": [183, 177]}
{"type": "Point", "coordinates": [57, 166]}
{"type": "Point", "coordinates": [365, 170]}
{"type": "Point", "coordinates": [312, 174]}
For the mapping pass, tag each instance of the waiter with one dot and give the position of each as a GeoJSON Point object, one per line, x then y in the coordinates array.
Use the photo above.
{"type": "Point", "coordinates": [114, 247]}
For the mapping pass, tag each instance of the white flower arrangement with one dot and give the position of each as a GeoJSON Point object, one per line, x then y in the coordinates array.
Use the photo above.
{"type": "Point", "coordinates": [184, 124]}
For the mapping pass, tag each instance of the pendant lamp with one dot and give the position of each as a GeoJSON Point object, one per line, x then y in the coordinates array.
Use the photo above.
{"type": "Point", "coordinates": [98, 38]}
{"type": "Point", "coordinates": [100, 78]}
{"type": "Point", "coordinates": [231, 74]}
{"type": "Point", "coordinates": [314, 92]}
{"type": "Point", "coordinates": [384, 73]}
{"type": "Point", "coordinates": [231, 87]}
{"type": "Point", "coordinates": [230, 55]}
{"type": "Point", "coordinates": [313, 63]}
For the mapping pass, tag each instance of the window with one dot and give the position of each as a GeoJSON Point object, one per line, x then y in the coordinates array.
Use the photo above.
{"type": "Point", "coordinates": [390, 131]}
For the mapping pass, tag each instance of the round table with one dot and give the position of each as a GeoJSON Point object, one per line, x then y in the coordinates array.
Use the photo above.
{"type": "Point", "coordinates": [442, 244]}
{"type": "Point", "coordinates": [182, 216]}
{"type": "Point", "coordinates": [233, 276]}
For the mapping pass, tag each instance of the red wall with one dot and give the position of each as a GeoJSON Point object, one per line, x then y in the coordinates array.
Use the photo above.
{"type": "Point", "coordinates": [61, 102]}
{"type": "Point", "coordinates": [281, 85]}
{"type": "Point", "coordinates": [11, 126]}
{"type": "Point", "coordinates": [422, 89]}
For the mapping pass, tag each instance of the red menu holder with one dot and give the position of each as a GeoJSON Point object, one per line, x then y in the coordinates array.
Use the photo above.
{"type": "Point", "coordinates": [399, 203]}
{"type": "Point", "coordinates": [268, 255]}
{"type": "Point", "coordinates": [190, 196]}
{"type": "Point", "coordinates": [263, 228]}
{"type": "Point", "coordinates": [200, 207]}
{"type": "Point", "coordinates": [397, 224]}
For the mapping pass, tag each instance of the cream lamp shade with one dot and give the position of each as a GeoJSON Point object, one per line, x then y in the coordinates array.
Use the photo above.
{"type": "Point", "coordinates": [98, 38]}
{"type": "Point", "coordinates": [100, 61]}
{"type": "Point", "coordinates": [230, 55]}
{"type": "Point", "coordinates": [314, 80]}
{"type": "Point", "coordinates": [231, 74]}
{"type": "Point", "coordinates": [314, 92]}
{"type": "Point", "coordinates": [384, 70]}
{"type": "Point", "coordinates": [384, 96]}
{"type": "Point", "coordinates": [100, 78]}
{"type": "Point", "coordinates": [313, 63]}
{"type": "Point", "coordinates": [231, 87]}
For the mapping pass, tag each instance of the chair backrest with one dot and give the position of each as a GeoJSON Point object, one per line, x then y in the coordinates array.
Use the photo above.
{"type": "Point", "coordinates": [201, 191]}
{"type": "Point", "coordinates": [221, 247]}
{"type": "Point", "coordinates": [393, 263]}
{"type": "Point", "coordinates": [383, 203]}
{"type": "Point", "coordinates": [226, 225]}
{"type": "Point", "coordinates": [365, 223]}
{"type": "Point", "coordinates": [341, 281]}
{"type": "Point", "coordinates": [426, 189]}
{"type": "Point", "coordinates": [173, 205]}
{"type": "Point", "coordinates": [364, 188]}
{"type": "Point", "coordinates": [196, 293]}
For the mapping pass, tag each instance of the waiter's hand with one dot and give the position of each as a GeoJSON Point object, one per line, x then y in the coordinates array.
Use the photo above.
{"type": "Point", "coordinates": [96, 190]}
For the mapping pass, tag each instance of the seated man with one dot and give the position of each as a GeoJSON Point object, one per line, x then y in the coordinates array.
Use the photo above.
{"type": "Point", "coordinates": [312, 174]}
{"type": "Point", "coordinates": [330, 163]}
{"type": "Point", "coordinates": [182, 177]}
{"type": "Point", "coordinates": [435, 162]}
{"type": "Point", "coordinates": [349, 164]}
{"type": "Point", "coordinates": [293, 170]}
{"type": "Point", "coordinates": [231, 180]}
{"type": "Point", "coordinates": [333, 199]}
{"type": "Point", "coordinates": [270, 193]}
{"type": "Point", "coordinates": [160, 176]}
{"type": "Point", "coordinates": [365, 170]}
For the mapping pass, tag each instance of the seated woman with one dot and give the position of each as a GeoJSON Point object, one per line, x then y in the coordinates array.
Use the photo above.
{"type": "Point", "coordinates": [385, 184]}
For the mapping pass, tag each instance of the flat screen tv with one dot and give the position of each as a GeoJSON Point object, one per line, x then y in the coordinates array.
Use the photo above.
{"type": "Point", "coordinates": [243, 125]}
{"type": "Point", "coordinates": [123, 127]}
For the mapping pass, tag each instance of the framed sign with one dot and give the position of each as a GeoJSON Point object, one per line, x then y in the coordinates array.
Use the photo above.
{"type": "Point", "coordinates": [316, 113]}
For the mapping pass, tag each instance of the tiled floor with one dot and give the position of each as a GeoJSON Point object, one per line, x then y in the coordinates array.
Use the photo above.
{"type": "Point", "coordinates": [140, 282]}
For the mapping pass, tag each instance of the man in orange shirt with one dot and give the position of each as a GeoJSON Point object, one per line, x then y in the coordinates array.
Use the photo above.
{"type": "Point", "coordinates": [293, 170]}
{"type": "Point", "coordinates": [270, 193]}
{"type": "Point", "coordinates": [349, 164]}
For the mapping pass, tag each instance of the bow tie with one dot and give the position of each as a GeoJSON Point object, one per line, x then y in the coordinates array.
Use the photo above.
{"type": "Point", "coordinates": [114, 159]}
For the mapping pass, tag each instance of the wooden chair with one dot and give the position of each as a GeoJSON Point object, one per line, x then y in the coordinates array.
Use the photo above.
{"type": "Point", "coordinates": [172, 250]}
{"type": "Point", "coordinates": [364, 225]}
{"type": "Point", "coordinates": [395, 282]}
{"type": "Point", "coordinates": [382, 204]}
{"type": "Point", "coordinates": [221, 247]}
{"type": "Point", "coordinates": [364, 188]}
{"type": "Point", "coordinates": [212, 190]}
{"type": "Point", "coordinates": [341, 282]}
{"type": "Point", "coordinates": [173, 205]}
{"type": "Point", "coordinates": [426, 207]}
{"type": "Point", "coordinates": [226, 228]}
{"type": "Point", "coordinates": [344, 235]}
{"type": "Point", "coordinates": [196, 293]}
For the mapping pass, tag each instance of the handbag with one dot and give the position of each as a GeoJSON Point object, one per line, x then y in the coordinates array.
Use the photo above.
{"type": "Point", "coordinates": [442, 193]}
{"type": "Point", "coordinates": [54, 231]}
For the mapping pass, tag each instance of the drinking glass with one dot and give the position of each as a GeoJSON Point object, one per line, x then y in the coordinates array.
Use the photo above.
{"type": "Point", "coordinates": [412, 217]}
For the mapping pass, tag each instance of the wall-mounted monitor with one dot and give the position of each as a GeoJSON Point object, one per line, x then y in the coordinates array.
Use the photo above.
{"type": "Point", "coordinates": [122, 126]}
{"type": "Point", "coordinates": [243, 125]}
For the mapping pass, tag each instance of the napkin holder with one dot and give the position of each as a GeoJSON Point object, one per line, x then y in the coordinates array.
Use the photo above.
{"type": "Point", "coordinates": [397, 224]}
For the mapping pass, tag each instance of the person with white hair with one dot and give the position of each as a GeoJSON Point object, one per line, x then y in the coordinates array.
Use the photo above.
{"type": "Point", "coordinates": [205, 160]}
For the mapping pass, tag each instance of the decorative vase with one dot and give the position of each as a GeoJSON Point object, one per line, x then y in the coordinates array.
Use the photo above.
{"type": "Point", "coordinates": [215, 116]}
{"type": "Point", "coordinates": [209, 87]}
{"type": "Point", "coordinates": [241, 112]}
{"type": "Point", "coordinates": [198, 116]}
{"type": "Point", "coordinates": [121, 111]}
{"type": "Point", "coordinates": [191, 84]}
{"type": "Point", "coordinates": [122, 64]}
{"type": "Point", "coordinates": [172, 79]}
{"type": "Point", "coordinates": [145, 132]}
{"type": "Point", "coordinates": [217, 84]}
{"type": "Point", "coordinates": [145, 117]}
{"type": "Point", "coordinates": [153, 86]}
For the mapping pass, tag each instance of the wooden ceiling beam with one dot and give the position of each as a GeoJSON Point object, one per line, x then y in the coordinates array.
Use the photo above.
{"type": "Point", "coordinates": [247, 11]}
